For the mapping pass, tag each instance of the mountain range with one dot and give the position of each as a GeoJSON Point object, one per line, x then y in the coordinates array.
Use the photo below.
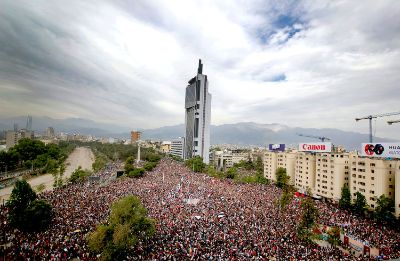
{"type": "Point", "coordinates": [243, 133]}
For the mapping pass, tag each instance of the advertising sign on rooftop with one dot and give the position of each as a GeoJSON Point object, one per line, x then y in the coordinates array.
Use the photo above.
{"type": "Point", "coordinates": [316, 146]}
{"type": "Point", "coordinates": [382, 150]}
{"type": "Point", "coordinates": [276, 147]}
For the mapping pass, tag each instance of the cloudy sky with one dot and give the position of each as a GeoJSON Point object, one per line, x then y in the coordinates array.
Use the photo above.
{"type": "Point", "coordinates": [300, 63]}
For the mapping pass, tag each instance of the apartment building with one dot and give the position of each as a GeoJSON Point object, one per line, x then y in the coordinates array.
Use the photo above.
{"type": "Point", "coordinates": [305, 171]}
{"type": "Point", "coordinates": [270, 165]}
{"type": "Point", "coordinates": [326, 173]}
{"type": "Point", "coordinates": [239, 155]}
{"type": "Point", "coordinates": [372, 177]}
{"type": "Point", "coordinates": [278, 159]}
{"type": "Point", "coordinates": [13, 137]}
{"type": "Point", "coordinates": [177, 147]}
{"type": "Point", "coordinates": [332, 173]}
{"type": "Point", "coordinates": [287, 160]}
{"type": "Point", "coordinates": [397, 188]}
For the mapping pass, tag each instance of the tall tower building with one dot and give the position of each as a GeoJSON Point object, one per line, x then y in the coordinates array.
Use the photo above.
{"type": "Point", "coordinates": [198, 116]}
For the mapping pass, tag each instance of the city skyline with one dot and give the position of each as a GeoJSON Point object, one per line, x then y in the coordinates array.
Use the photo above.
{"type": "Point", "coordinates": [295, 63]}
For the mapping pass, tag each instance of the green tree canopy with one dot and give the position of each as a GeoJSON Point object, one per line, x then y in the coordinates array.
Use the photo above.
{"type": "Point", "coordinates": [37, 215]}
{"type": "Point", "coordinates": [136, 173]}
{"type": "Point", "coordinates": [345, 199]}
{"type": "Point", "coordinates": [25, 212]}
{"type": "Point", "coordinates": [128, 223]}
{"type": "Point", "coordinates": [231, 173]}
{"type": "Point", "coordinates": [308, 219]}
{"type": "Point", "coordinates": [29, 149]}
{"type": "Point", "coordinates": [282, 179]}
{"type": "Point", "coordinates": [360, 204]}
{"type": "Point", "coordinates": [196, 164]}
{"type": "Point", "coordinates": [384, 210]}
{"type": "Point", "coordinates": [79, 175]}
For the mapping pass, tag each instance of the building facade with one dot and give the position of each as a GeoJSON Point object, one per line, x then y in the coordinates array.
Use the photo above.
{"type": "Point", "coordinates": [135, 136]}
{"type": "Point", "coordinates": [197, 117]}
{"type": "Point", "coordinates": [325, 174]}
{"type": "Point", "coordinates": [372, 177]}
{"type": "Point", "coordinates": [50, 132]}
{"type": "Point", "coordinates": [12, 137]}
{"type": "Point", "coordinates": [332, 173]}
{"type": "Point", "coordinates": [165, 146]}
{"type": "Point", "coordinates": [177, 147]}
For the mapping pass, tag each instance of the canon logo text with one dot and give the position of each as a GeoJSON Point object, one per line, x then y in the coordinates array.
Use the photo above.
{"type": "Point", "coordinates": [313, 147]}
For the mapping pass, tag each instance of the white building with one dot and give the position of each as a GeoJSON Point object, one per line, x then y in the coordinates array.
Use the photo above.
{"type": "Point", "coordinates": [177, 147]}
{"type": "Point", "coordinates": [197, 117]}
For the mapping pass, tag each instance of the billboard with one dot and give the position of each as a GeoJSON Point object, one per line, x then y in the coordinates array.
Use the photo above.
{"type": "Point", "coordinates": [382, 150]}
{"type": "Point", "coordinates": [316, 146]}
{"type": "Point", "coordinates": [276, 147]}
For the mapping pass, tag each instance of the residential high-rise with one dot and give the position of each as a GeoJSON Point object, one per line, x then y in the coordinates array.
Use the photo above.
{"type": "Point", "coordinates": [13, 137]}
{"type": "Point", "coordinates": [50, 132]}
{"type": "Point", "coordinates": [177, 147]}
{"type": "Point", "coordinates": [135, 136]}
{"type": "Point", "coordinates": [197, 116]}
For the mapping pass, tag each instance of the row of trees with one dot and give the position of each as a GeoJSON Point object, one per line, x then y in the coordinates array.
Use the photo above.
{"type": "Point", "coordinates": [34, 154]}
{"type": "Point", "coordinates": [383, 212]}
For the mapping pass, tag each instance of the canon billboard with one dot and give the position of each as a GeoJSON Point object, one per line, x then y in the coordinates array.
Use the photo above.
{"type": "Point", "coordinates": [316, 146]}
{"type": "Point", "coordinates": [383, 150]}
{"type": "Point", "coordinates": [276, 147]}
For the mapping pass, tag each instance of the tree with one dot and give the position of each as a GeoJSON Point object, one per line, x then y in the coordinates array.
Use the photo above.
{"type": "Point", "coordinates": [308, 219]}
{"type": "Point", "coordinates": [38, 215]}
{"type": "Point", "coordinates": [282, 178]}
{"type": "Point", "coordinates": [149, 166]}
{"type": "Point", "coordinates": [345, 199]}
{"type": "Point", "coordinates": [129, 165]}
{"type": "Point", "coordinates": [79, 175]}
{"type": "Point", "coordinates": [25, 212]}
{"type": "Point", "coordinates": [196, 164]}
{"type": "Point", "coordinates": [231, 173]}
{"type": "Point", "coordinates": [127, 224]}
{"type": "Point", "coordinates": [360, 205]}
{"type": "Point", "coordinates": [136, 173]}
{"type": "Point", "coordinates": [384, 210]}
{"type": "Point", "coordinates": [29, 149]}
{"type": "Point", "coordinates": [334, 236]}
{"type": "Point", "coordinates": [259, 165]}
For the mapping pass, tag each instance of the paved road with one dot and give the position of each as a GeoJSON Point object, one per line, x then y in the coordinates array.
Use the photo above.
{"type": "Point", "coordinates": [81, 156]}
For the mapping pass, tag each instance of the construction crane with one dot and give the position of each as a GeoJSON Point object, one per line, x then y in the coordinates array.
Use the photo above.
{"type": "Point", "coordinates": [316, 137]}
{"type": "Point", "coordinates": [370, 117]}
{"type": "Point", "coordinates": [391, 122]}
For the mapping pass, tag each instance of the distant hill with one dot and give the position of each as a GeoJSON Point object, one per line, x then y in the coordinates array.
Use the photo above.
{"type": "Point", "coordinates": [69, 125]}
{"type": "Point", "coordinates": [243, 133]}
{"type": "Point", "coordinates": [250, 133]}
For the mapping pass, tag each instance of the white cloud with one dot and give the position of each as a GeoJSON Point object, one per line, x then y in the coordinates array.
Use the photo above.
{"type": "Point", "coordinates": [129, 62]}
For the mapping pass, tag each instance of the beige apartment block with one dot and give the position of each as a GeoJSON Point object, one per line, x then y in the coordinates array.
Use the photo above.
{"type": "Point", "coordinates": [397, 190]}
{"type": "Point", "coordinates": [287, 160]}
{"type": "Point", "coordinates": [270, 165]}
{"type": "Point", "coordinates": [238, 156]}
{"type": "Point", "coordinates": [372, 177]}
{"type": "Point", "coordinates": [305, 171]}
{"type": "Point", "coordinates": [332, 173]}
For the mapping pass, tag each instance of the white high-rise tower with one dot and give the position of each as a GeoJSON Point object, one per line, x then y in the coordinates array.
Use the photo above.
{"type": "Point", "coordinates": [197, 116]}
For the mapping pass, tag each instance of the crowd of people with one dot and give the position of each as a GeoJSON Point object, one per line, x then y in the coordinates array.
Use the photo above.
{"type": "Point", "coordinates": [197, 217]}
